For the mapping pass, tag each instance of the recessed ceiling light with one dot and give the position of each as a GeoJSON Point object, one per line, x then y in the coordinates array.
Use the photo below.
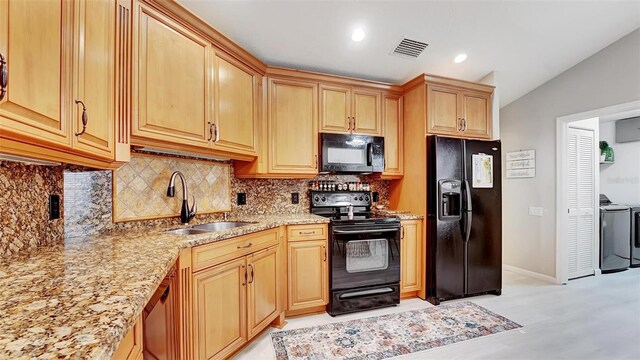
{"type": "Point", "coordinates": [358, 35]}
{"type": "Point", "coordinates": [460, 58]}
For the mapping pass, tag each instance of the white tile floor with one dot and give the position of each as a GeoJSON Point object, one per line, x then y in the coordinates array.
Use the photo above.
{"type": "Point", "coordinates": [590, 318]}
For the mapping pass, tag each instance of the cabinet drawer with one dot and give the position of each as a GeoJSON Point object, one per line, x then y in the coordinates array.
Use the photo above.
{"type": "Point", "coordinates": [211, 254]}
{"type": "Point", "coordinates": [307, 232]}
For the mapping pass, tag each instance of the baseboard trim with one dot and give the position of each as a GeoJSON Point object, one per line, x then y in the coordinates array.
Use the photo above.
{"type": "Point", "coordinates": [528, 273]}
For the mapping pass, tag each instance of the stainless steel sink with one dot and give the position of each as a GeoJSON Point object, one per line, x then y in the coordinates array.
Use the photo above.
{"type": "Point", "coordinates": [222, 225]}
{"type": "Point", "coordinates": [187, 231]}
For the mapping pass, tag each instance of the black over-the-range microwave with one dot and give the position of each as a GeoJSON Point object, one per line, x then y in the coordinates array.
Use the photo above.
{"type": "Point", "coordinates": [350, 153]}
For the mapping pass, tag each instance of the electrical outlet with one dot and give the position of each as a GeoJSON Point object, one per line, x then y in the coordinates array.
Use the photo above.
{"type": "Point", "coordinates": [54, 207]}
{"type": "Point", "coordinates": [536, 211]}
{"type": "Point", "coordinates": [242, 199]}
{"type": "Point", "coordinates": [295, 198]}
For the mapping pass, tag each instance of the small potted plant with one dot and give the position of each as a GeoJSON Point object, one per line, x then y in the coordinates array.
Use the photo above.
{"type": "Point", "coordinates": [606, 152]}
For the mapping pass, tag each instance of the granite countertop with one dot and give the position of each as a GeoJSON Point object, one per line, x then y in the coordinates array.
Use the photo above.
{"type": "Point", "coordinates": [402, 215]}
{"type": "Point", "coordinates": [78, 300]}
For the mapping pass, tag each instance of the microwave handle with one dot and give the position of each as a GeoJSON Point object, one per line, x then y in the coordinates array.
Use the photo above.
{"type": "Point", "coordinates": [370, 154]}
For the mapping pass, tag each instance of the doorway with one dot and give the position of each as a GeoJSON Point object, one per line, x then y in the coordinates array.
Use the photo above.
{"type": "Point", "coordinates": [577, 190]}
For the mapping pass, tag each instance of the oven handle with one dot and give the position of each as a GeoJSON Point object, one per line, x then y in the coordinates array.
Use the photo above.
{"type": "Point", "coordinates": [385, 290]}
{"type": "Point", "coordinates": [364, 231]}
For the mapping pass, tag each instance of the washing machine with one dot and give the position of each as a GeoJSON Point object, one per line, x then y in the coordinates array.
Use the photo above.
{"type": "Point", "coordinates": [615, 236]}
{"type": "Point", "coordinates": [635, 236]}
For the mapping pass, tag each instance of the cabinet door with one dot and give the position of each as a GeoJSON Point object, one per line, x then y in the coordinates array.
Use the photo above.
{"type": "Point", "coordinates": [235, 105]}
{"type": "Point", "coordinates": [476, 112]}
{"type": "Point", "coordinates": [35, 41]}
{"type": "Point", "coordinates": [366, 112]}
{"type": "Point", "coordinates": [173, 81]}
{"type": "Point", "coordinates": [335, 109]}
{"type": "Point", "coordinates": [308, 274]}
{"type": "Point", "coordinates": [442, 105]}
{"type": "Point", "coordinates": [293, 129]}
{"type": "Point", "coordinates": [411, 256]}
{"type": "Point", "coordinates": [130, 347]}
{"type": "Point", "coordinates": [393, 136]}
{"type": "Point", "coordinates": [263, 289]}
{"type": "Point", "coordinates": [219, 310]}
{"type": "Point", "coordinates": [93, 63]}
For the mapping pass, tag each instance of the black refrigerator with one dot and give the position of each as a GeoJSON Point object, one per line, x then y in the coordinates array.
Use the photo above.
{"type": "Point", "coordinates": [464, 218]}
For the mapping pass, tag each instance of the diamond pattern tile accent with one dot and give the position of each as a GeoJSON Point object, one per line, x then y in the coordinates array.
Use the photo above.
{"type": "Point", "coordinates": [140, 187]}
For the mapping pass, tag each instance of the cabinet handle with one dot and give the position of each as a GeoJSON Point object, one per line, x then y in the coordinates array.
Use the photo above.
{"type": "Point", "coordinates": [85, 118]}
{"type": "Point", "coordinates": [316, 162]}
{"type": "Point", "coordinates": [324, 248]}
{"type": "Point", "coordinates": [216, 133]}
{"type": "Point", "coordinates": [402, 234]}
{"type": "Point", "coordinates": [210, 131]}
{"type": "Point", "coordinates": [245, 246]}
{"type": "Point", "coordinates": [307, 232]}
{"type": "Point", "coordinates": [349, 119]}
{"type": "Point", "coordinates": [4, 76]}
{"type": "Point", "coordinates": [459, 125]}
{"type": "Point", "coordinates": [245, 276]}
{"type": "Point", "coordinates": [464, 122]}
{"type": "Point", "coordinates": [354, 123]}
{"type": "Point", "coordinates": [252, 274]}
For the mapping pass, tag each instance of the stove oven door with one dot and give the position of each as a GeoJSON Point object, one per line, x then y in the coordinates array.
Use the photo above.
{"type": "Point", "coordinates": [363, 256]}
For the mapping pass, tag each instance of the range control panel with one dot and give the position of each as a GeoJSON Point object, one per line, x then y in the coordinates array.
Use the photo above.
{"type": "Point", "coordinates": [340, 198]}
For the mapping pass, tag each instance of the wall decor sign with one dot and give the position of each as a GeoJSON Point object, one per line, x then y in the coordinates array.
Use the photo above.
{"type": "Point", "coordinates": [521, 164]}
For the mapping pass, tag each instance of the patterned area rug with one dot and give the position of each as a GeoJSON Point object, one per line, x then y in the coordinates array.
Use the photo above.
{"type": "Point", "coordinates": [386, 336]}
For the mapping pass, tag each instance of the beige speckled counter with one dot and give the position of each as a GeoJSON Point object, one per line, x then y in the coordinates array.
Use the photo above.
{"type": "Point", "coordinates": [78, 301]}
{"type": "Point", "coordinates": [402, 215]}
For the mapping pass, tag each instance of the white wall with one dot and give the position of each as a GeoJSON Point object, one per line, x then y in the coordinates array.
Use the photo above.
{"type": "Point", "coordinates": [620, 181]}
{"type": "Point", "coordinates": [492, 79]}
{"type": "Point", "coordinates": [607, 78]}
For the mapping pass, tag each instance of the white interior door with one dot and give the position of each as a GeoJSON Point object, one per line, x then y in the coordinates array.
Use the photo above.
{"type": "Point", "coordinates": [580, 195]}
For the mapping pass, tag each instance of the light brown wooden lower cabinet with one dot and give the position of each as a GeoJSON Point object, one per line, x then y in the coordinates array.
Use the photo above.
{"type": "Point", "coordinates": [308, 275]}
{"type": "Point", "coordinates": [219, 309]}
{"type": "Point", "coordinates": [234, 300]}
{"type": "Point", "coordinates": [411, 250]}
{"type": "Point", "coordinates": [130, 347]}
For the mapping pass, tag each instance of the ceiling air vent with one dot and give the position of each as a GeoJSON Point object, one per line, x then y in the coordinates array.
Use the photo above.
{"type": "Point", "coordinates": [410, 49]}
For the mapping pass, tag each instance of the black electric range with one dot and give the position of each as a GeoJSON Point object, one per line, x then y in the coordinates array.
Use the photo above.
{"type": "Point", "coordinates": [364, 269]}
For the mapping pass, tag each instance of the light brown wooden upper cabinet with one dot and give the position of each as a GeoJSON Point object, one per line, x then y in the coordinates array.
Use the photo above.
{"type": "Point", "coordinates": [293, 129]}
{"type": "Point", "coordinates": [350, 110]}
{"type": "Point", "coordinates": [392, 123]}
{"type": "Point", "coordinates": [58, 65]}
{"type": "Point", "coordinates": [458, 112]}
{"type": "Point", "coordinates": [174, 72]}
{"type": "Point", "coordinates": [236, 105]}
{"type": "Point", "coordinates": [93, 63]}
{"type": "Point", "coordinates": [35, 40]}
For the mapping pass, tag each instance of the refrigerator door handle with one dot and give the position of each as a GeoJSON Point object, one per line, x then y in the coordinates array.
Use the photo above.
{"type": "Point", "coordinates": [468, 213]}
{"type": "Point", "coordinates": [467, 195]}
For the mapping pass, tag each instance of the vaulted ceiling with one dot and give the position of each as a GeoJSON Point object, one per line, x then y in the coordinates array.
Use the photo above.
{"type": "Point", "coordinates": [525, 43]}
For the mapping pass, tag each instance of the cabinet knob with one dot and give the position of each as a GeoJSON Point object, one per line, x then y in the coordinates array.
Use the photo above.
{"type": "Point", "coordinates": [4, 76]}
{"type": "Point", "coordinates": [85, 118]}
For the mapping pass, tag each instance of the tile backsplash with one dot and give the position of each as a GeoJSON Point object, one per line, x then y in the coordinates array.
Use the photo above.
{"type": "Point", "coordinates": [24, 207]}
{"type": "Point", "coordinates": [88, 197]}
{"type": "Point", "coordinates": [141, 187]}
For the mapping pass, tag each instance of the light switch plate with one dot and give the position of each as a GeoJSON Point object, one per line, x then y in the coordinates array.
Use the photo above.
{"type": "Point", "coordinates": [536, 211]}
